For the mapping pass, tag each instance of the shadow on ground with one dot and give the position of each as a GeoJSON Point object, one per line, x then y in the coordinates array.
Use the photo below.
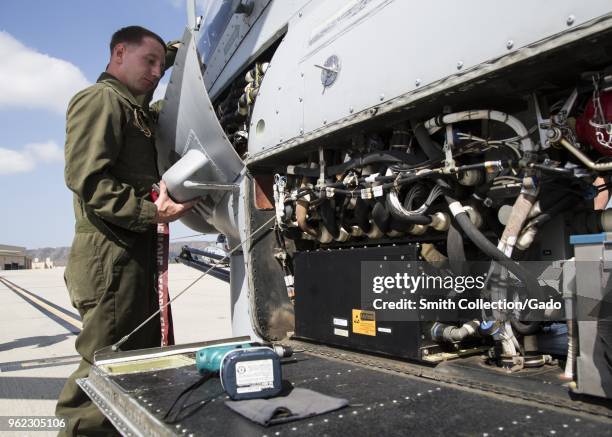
{"type": "Point", "coordinates": [37, 341]}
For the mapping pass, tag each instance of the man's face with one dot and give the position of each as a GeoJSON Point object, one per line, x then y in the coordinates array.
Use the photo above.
{"type": "Point", "coordinates": [140, 66]}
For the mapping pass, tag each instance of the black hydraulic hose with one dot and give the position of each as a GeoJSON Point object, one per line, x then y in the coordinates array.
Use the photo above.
{"type": "Point", "coordinates": [526, 328]}
{"type": "Point", "coordinates": [446, 332]}
{"type": "Point", "coordinates": [550, 210]}
{"type": "Point", "coordinates": [464, 222]}
{"type": "Point", "coordinates": [428, 146]}
{"type": "Point", "coordinates": [455, 250]}
{"type": "Point", "coordinates": [400, 226]}
{"type": "Point", "coordinates": [305, 171]}
{"type": "Point", "coordinates": [380, 216]}
{"type": "Point", "coordinates": [382, 157]}
{"type": "Point", "coordinates": [362, 215]}
{"type": "Point", "coordinates": [402, 180]}
{"type": "Point", "coordinates": [344, 201]}
{"type": "Point", "coordinates": [328, 216]}
{"type": "Point", "coordinates": [399, 168]}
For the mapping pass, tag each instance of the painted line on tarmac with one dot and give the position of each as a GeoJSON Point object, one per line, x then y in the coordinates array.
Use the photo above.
{"type": "Point", "coordinates": [38, 363]}
{"type": "Point", "coordinates": [65, 318]}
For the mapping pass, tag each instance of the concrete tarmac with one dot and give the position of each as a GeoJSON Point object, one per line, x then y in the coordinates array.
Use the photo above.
{"type": "Point", "coordinates": [37, 351]}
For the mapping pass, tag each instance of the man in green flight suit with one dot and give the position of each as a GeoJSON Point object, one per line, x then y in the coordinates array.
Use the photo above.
{"type": "Point", "coordinates": [111, 167]}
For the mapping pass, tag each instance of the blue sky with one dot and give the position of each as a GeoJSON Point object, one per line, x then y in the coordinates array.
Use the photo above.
{"type": "Point", "coordinates": [50, 50]}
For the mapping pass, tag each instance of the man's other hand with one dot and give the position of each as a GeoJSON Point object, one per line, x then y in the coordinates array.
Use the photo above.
{"type": "Point", "coordinates": [168, 210]}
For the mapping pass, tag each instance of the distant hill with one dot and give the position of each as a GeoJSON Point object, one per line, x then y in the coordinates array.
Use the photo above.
{"type": "Point", "coordinates": [59, 255]}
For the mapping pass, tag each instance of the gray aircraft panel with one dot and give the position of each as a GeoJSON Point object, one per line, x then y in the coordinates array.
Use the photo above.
{"type": "Point", "coordinates": [270, 26]}
{"type": "Point", "coordinates": [237, 29]}
{"type": "Point", "coordinates": [380, 61]}
{"type": "Point", "coordinates": [193, 147]}
{"type": "Point", "coordinates": [188, 121]}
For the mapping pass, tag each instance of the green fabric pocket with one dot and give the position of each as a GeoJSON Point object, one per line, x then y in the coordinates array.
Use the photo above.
{"type": "Point", "coordinates": [90, 268]}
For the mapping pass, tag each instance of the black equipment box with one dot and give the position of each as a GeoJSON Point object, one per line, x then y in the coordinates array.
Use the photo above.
{"type": "Point", "coordinates": [328, 303]}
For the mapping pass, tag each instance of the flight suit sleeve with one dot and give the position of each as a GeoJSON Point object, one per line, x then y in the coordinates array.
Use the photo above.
{"type": "Point", "coordinates": [94, 138]}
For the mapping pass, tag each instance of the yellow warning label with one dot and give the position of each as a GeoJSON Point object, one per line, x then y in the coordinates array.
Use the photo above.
{"type": "Point", "coordinates": [364, 322]}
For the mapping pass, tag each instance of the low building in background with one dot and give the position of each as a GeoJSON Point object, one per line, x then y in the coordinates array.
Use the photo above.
{"type": "Point", "coordinates": [46, 264]}
{"type": "Point", "coordinates": [14, 258]}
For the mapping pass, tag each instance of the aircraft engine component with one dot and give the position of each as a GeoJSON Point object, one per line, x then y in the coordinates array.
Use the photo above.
{"type": "Point", "coordinates": [473, 169]}
{"type": "Point", "coordinates": [492, 151]}
{"type": "Point", "coordinates": [594, 126]}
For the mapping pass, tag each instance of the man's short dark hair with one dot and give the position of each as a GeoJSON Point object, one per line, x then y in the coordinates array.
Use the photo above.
{"type": "Point", "coordinates": [133, 35]}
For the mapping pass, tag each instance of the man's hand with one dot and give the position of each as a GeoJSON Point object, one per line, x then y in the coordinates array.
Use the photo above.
{"type": "Point", "coordinates": [167, 209]}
